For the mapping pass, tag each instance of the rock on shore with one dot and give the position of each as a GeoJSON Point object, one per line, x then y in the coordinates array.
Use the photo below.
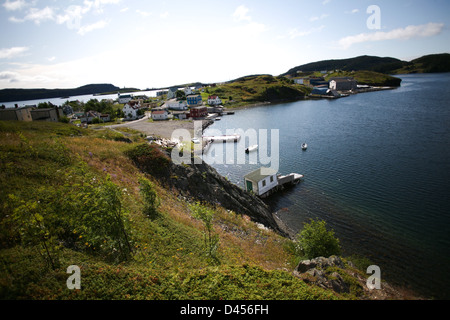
{"type": "Point", "coordinates": [343, 277]}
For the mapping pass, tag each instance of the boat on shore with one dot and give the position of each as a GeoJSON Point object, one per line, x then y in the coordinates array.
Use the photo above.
{"type": "Point", "coordinates": [251, 148]}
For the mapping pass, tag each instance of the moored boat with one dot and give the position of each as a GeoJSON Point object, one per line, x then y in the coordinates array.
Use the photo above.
{"type": "Point", "coordinates": [251, 148]}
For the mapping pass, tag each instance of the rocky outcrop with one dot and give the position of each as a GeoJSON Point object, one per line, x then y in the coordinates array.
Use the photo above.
{"type": "Point", "coordinates": [203, 183]}
{"type": "Point", "coordinates": [316, 271]}
{"type": "Point", "coordinates": [344, 278]}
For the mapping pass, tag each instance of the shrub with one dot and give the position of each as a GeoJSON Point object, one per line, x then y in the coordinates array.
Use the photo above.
{"type": "Point", "coordinates": [149, 158]}
{"type": "Point", "coordinates": [151, 200]}
{"type": "Point", "coordinates": [316, 241]}
{"type": "Point", "coordinates": [206, 215]}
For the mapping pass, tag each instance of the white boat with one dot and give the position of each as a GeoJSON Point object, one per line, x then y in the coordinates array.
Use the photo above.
{"type": "Point", "coordinates": [251, 148]}
{"type": "Point", "coordinates": [304, 146]}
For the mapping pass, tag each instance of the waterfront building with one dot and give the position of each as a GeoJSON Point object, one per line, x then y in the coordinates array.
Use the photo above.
{"type": "Point", "coordinates": [214, 100]}
{"type": "Point", "coordinates": [343, 84]}
{"type": "Point", "coordinates": [261, 181]}
{"type": "Point", "coordinates": [198, 112]}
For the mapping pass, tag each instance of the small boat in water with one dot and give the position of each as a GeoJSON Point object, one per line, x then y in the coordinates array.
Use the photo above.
{"type": "Point", "coordinates": [304, 146]}
{"type": "Point", "coordinates": [251, 148]}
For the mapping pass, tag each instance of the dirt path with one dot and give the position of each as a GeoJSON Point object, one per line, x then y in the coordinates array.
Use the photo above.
{"type": "Point", "coordinates": [163, 129]}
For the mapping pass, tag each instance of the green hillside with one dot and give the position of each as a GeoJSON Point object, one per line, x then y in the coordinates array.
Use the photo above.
{"type": "Point", "coordinates": [75, 197]}
{"type": "Point", "coordinates": [257, 88]}
{"type": "Point", "coordinates": [370, 63]}
{"type": "Point", "coordinates": [427, 64]}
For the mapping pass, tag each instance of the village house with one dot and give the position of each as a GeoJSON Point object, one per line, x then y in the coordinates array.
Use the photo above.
{"type": "Point", "coordinates": [180, 115]}
{"type": "Point", "coordinates": [160, 114]}
{"type": "Point", "coordinates": [171, 94]}
{"type": "Point", "coordinates": [16, 114]}
{"type": "Point", "coordinates": [130, 110]}
{"type": "Point", "coordinates": [194, 100]}
{"type": "Point", "coordinates": [214, 100]}
{"type": "Point", "coordinates": [47, 114]}
{"type": "Point", "coordinates": [198, 112]}
{"type": "Point", "coordinates": [173, 104]}
{"type": "Point", "coordinates": [261, 181]}
{"type": "Point", "coordinates": [122, 99]}
{"type": "Point", "coordinates": [188, 91]}
{"type": "Point", "coordinates": [88, 117]}
{"type": "Point", "coordinates": [343, 84]}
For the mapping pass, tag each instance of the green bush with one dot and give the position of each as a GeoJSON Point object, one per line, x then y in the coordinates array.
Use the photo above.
{"type": "Point", "coordinates": [211, 239]}
{"type": "Point", "coordinates": [316, 241]}
{"type": "Point", "coordinates": [151, 200]}
{"type": "Point", "coordinates": [150, 158]}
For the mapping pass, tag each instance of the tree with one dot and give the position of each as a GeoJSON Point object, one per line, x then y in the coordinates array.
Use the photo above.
{"type": "Point", "coordinates": [151, 200]}
{"type": "Point", "coordinates": [180, 95]}
{"type": "Point", "coordinates": [206, 215]}
{"type": "Point", "coordinates": [316, 241]}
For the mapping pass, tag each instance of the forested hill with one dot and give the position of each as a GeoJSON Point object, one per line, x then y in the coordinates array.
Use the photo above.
{"type": "Point", "coordinates": [370, 63]}
{"type": "Point", "coordinates": [426, 64]}
{"type": "Point", "coordinates": [9, 95]}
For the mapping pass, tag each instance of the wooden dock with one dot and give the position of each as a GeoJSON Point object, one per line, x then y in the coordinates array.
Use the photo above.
{"type": "Point", "coordinates": [283, 182]}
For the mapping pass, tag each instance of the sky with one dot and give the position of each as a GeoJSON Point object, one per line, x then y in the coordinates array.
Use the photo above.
{"type": "Point", "coordinates": [153, 44]}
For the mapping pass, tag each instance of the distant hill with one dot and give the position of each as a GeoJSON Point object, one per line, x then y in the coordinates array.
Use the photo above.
{"type": "Point", "coordinates": [427, 64]}
{"type": "Point", "coordinates": [10, 95]}
{"type": "Point", "coordinates": [369, 63]}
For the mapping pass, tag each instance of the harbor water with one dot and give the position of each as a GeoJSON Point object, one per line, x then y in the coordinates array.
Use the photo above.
{"type": "Point", "coordinates": [377, 170]}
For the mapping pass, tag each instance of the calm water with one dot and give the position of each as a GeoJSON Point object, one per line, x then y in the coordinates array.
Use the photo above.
{"type": "Point", "coordinates": [377, 170]}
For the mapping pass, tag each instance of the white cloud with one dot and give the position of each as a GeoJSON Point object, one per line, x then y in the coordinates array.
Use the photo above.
{"type": "Point", "coordinates": [144, 13]}
{"type": "Point", "coordinates": [241, 14]}
{"type": "Point", "coordinates": [39, 15]}
{"type": "Point", "coordinates": [91, 27]}
{"type": "Point", "coordinates": [425, 30]}
{"type": "Point", "coordinates": [295, 33]}
{"type": "Point", "coordinates": [13, 52]}
{"type": "Point", "coordinates": [323, 16]}
{"type": "Point", "coordinates": [326, 2]}
{"type": "Point", "coordinates": [355, 11]}
{"type": "Point", "coordinates": [14, 5]}
{"type": "Point", "coordinates": [164, 15]}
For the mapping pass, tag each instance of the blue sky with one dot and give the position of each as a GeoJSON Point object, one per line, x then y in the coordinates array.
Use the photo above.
{"type": "Point", "coordinates": [145, 44]}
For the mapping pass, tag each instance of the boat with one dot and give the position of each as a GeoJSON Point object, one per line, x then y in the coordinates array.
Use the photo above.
{"type": "Point", "coordinates": [218, 118]}
{"type": "Point", "coordinates": [251, 148]}
{"type": "Point", "coordinates": [304, 146]}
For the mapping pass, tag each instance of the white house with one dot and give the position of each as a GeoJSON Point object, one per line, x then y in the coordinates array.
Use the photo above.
{"type": "Point", "coordinates": [261, 181]}
{"type": "Point", "coordinates": [173, 104]}
{"type": "Point", "coordinates": [130, 110]}
{"type": "Point", "coordinates": [172, 93]}
{"type": "Point", "coordinates": [188, 91]}
{"type": "Point", "coordinates": [343, 84]}
{"type": "Point", "coordinates": [214, 100]}
{"type": "Point", "coordinates": [124, 98]}
{"type": "Point", "coordinates": [160, 114]}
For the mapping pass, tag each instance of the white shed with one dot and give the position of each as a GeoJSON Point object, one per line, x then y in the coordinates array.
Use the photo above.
{"type": "Point", "coordinates": [261, 181]}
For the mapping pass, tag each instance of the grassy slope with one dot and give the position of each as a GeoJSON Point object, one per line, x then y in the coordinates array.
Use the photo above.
{"type": "Point", "coordinates": [255, 89]}
{"type": "Point", "coordinates": [168, 260]}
